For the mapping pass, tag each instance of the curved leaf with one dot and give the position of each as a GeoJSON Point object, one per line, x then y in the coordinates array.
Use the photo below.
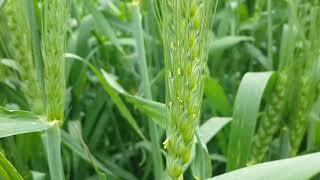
{"type": "Point", "coordinates": [227, 42]}
{"type": "Point", "coordinates": [19, 122]}
{"type": "Point", "coordinates": [245, 114]}
{"type": "Point", "coordinates": [211, 127]}
{"type": "Point", "coordinates": [153, 109]}
{"type": "Point", "coordinates": [109, 168]}
{"type": "Point", "coordinates": [301, 167]}
{"type": "Point", "coordinates": [113, 94]}
{"type": "Point", "coordinates": [201, 164]}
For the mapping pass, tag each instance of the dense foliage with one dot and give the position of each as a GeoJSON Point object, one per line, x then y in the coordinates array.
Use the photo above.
{"type": "Point", "coordinates": [159, 89]}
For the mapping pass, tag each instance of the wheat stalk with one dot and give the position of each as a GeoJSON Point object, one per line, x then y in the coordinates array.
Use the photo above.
{"type": "Point", "coordinates": [186, 25]}
{"type": "Point", "coordinates": [21, 43]}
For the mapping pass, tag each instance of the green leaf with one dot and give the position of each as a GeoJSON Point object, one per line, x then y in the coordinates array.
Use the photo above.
{"type": "Point", "coordinates": [297, 168]}
{"type": "Point", "coordinates": [214, 91]}
{"type": "Point", "coordinates": [38, 175]}
{"type": "Point", "coordinates": [211, 127]}
{"type": "Point", "coordinates": [19, 122]}
{"type": "Point", "coordinates": [2, 3]}
{"type": "Point", "coordinates": [153, 109]}
{"type": "Point", "coordinates": [245, 114]}
{"type": "Point", "coordinates": [143, 68]}
{"type": "Point", "coordinates": [7, 171]}
{"type": "Point", "coordinates": [102, 176]}
{"type": "Point", "coordinates": [109, 167]}
{"type": "Point", "coordinates": [227, 42]}
{"type": "Point", "coordinates": [201, 165]}
{"type": "Point", "coordinates": [13, 96]}
{"type": "Point", "coordinates": [113, 94]}
{"type": "Point", "coordinates": [257, 54]}
{"type": "Point", "coordinates": [52, 144]}
{"type": "Point", "coordinates": [10, 63]}
{"type": "Point", "coordinates": [104, 26]}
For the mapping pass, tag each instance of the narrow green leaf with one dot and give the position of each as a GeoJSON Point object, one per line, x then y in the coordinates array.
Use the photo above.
{"type": "Point", "coordinates": [13, 96]}
{"type": "Point", "coordinates": [109, 167]}
{"type": "Point", "coordinates": [298, 168]}
{"type": "Point", "coordinates": [214, 91]}
{"type": "Point", "coordinates": [19, 122]}
{"type": "Point", "coordinates": [104, 26]}
{"type": "Point", "coordinates": [245, 114]}
{"type": "Point", "coordinates": [143, 67]}
{"type": "Point", "coordinates": [7, 171]}
{"type": "Point", "coordinates": [155, 110]}
{"type": "Point", "coordinates": [113, 94]}
{"type": "Point", "coordinates": [2, 3]}
{"type": "Point", "coordinates": [257, 54]}
{"type": "Point", "coordinates": [52, 144]}
{"type": "Point", "coordinates": [102, 176]}
{"type": "Point", "coordinates": [227, 42]}
{"type": "Point", "coordinates": [38, 175]}
{"type": "Point", "coordinates": [211, 127]}
{"type": "Point", "coordinates": [201, 165]}
{"type": "Point", "coordinates": [10, 63]}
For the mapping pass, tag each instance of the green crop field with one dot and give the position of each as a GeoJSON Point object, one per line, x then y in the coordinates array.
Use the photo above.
{"type": "Point", "coordinates": [159, 89]}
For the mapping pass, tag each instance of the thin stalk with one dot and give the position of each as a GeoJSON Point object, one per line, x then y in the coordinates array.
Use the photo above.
{"type": "Point", "coordinates": [153, 129]}
{"type": "Point", "coordinates": [52, 144]}
{"type": "Point", "coordinates": [270, 38]}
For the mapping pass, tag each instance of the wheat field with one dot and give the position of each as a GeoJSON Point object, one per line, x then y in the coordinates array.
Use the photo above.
{"type": "Point", "coordinates": [159, 89]}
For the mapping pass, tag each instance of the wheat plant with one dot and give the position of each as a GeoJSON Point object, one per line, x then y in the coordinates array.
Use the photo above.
{"type": "Point", "coordinates": [54, 22]}
{"type": "Point", "coordinates": [308, 88]}
{"type": "Point", "coordinates": [270, 121]}
{"type": "Point", "coordinates": [107, 99]}
{"type": "Point", "coordinates": [19, 28]}
{"type": "Point", "coordinates": [185, 33]}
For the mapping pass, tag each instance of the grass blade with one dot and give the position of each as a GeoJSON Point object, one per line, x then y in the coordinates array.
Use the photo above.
{"type": "Point", "coordinates": [155, 110]}
{"type": "Point", "coordinates": [298, 167]}
{"type": "Point", "coordinates": [109, 168]}
{"type": "Point", "coordinates": [201, 165]}
{"type": "Point", "coordinates": [7, 171]}
{"type": "Point", "coordinates": [245, 115]}
{"type": "Point", "coordinates": [215, 92]}
{"type": "Point", "coordinates": [113, 94]}
{"type": "Point", "coordinates": [19, 122]}
{"type": "Point", "coordinates": [211, 127]}
{"type": "Point", "coordinates": [52, 141]}
{"type": "Point", "coordinates": [227, 42]}
{"type": "Point", "coordinates": [153, 129]}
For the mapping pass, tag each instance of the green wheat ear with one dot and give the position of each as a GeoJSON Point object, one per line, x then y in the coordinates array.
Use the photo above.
{"type": "Point", "coordinates": [21, 43]}
{"type": "Point", "coordinates": [270, 121]}
{"type": "Point", "coordinates": [307, 91]}
{"type": "Point", "coordinates": [54, 22]}
{"type": "Point", "coordinates": [186, 28]}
